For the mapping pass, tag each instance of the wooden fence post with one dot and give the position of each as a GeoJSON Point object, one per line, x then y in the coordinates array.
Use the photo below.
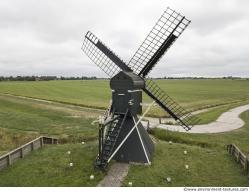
{"type": "Point", "coordinates": [9, 159]}
{"type": "Point", "coordinates": [21, 152]}
{"type": "Point", "coordinates": [41, 142]}
{"type": "Point", "coordinates": [238, 158]}
{"type": "Point", "coordinates": [32, 146]}
{"type": "Point", "coordinates": [247, 167]}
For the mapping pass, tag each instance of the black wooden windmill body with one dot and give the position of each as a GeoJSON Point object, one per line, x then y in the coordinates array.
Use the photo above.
{"type": "Point", "coordinates": [121, 135]}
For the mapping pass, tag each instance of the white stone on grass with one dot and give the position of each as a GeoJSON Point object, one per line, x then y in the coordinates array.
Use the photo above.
{"type": "Point", "coordinates": [168, 179]}
{"type": "Point", "coordinates": [70, 164]}
{"type": "Point", "coordinates": [91, 177]}
{"type": "Point", "coordinates": [130, 184]}
{"type": "Point", "coordinates": [186, 166]}
{"type": "Point", "coordinates": [185, 152]}
{"type": "Point", "coordinates": [170, 142]}
{"type": "Point", "coordinates": [69, 152]}
{"type": "Point", "coordinates": [82, 142]}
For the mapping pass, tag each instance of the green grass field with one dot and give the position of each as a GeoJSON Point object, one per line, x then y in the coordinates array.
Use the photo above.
{"type": "Point", "coordinates": [208, 160]}
{"type": "Point", "coordinates": [191, 94]}
{"type": "Point", "coordinates": [22, 120]}
{"type": "Point", "coordinates": [50, 167]}
{"type": "Point", "coordinates": [207, 167]}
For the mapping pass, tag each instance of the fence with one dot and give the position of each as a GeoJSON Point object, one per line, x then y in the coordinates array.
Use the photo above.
{"type": "Point", "coordinates": [239, 156]}
{"type": "Point", "coordinates": [9, 158]}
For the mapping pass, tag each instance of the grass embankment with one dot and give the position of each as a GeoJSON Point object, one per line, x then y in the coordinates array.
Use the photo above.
{"type": "Point", "coordinates": [191, 94]}
{"type": "Point", "coordinates": [50, 167]}
{"type": "Point", "coordinates": [22, 120]}
{"type": "Point", "coordinates": [11, 139]}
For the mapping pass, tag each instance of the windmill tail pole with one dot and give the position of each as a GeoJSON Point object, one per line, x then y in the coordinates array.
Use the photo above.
{"type": "Point", "coordinates": [140, 119]}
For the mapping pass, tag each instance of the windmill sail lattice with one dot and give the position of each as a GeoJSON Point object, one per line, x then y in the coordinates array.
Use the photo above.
{"type": "Point", "coordinates": [100, 58]}
{"type": "Point", "coordinates": [185, 119]}
{"type": "Point", "coordinates": [166, 30]}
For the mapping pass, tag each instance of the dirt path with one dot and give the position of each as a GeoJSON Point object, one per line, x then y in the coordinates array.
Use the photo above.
{"type": "Point", "coordinates": [115, 175]}
{"type": "Point", "coordinates": [227, 121]}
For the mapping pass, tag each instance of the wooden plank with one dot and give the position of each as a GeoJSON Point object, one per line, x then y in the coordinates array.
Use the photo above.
{"type": "Point", "coordinates": [243, 160]}
{"type": "Point", "coordinates": [37, 144]}
{"type": "Point", "coordinates": [3, 162]}
{"type": "Point", "coordinates": [47, 140]}
{"type": "Point", "coordinates": [27, 149]}
{"type": "Point", "coordinates": [14, 156]}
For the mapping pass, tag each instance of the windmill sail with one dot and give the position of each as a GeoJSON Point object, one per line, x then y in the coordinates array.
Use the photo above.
{"type": "Point", "coordinates": [102, 56]}
{"type": "Point", "coordinates": [167, 29]}
{"type": "Point", "coordinates": [186, 119]}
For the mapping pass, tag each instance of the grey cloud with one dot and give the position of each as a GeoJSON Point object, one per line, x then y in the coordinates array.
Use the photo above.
{"type": "Point", "coordinates": [45, 37]}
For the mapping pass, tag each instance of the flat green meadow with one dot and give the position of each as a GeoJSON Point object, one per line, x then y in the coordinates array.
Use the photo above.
{"type": "Point", "coordinates": [191, 94]}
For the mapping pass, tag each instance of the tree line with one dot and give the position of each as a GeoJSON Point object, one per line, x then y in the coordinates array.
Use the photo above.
{"type": "Point", "coordinates": [49, 78]}
{"type": "Point", "coordinates": [43, 78]}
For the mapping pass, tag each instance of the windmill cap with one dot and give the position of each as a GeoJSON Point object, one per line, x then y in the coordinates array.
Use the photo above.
{"type": "Point", "coordinates": [126, 81]}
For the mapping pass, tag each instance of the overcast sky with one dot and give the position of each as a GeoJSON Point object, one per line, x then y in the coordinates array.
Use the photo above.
{"type": "Point", "coordinates": [44, 37]}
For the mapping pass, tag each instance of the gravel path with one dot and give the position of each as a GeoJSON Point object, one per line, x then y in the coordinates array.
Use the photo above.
{"type": "Point", "coordinates": [115, 175]}
{"type": "Point", "coordinates": [227, 121]}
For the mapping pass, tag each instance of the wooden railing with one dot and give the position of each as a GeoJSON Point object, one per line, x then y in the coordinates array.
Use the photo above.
{"type": "Point", "coordinates": [11, 157]}
{"type": "Point", "coordinates": [240, 157]}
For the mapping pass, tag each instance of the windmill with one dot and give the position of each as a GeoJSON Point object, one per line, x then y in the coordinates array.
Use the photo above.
{"type": "Point", "coordinates": [121, 135]}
